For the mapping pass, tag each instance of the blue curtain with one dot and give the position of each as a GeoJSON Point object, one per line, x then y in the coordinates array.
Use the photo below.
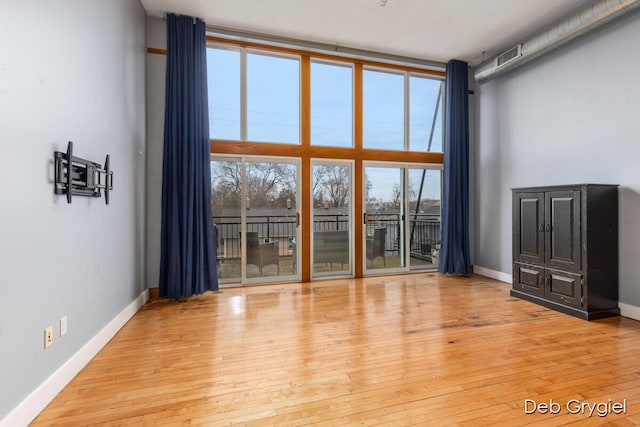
{"type": "Point", "coordinates": [188, 246]}
{"type": "Point", "coordinates": [454, 250]}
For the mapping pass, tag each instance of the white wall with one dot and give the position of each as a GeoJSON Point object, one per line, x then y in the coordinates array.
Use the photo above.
{"type": "Point", "coordinates": [568, 117]}
{"type": "Point", "coordinates": [156, 72]}
{"type": "Point", "coordinates": [69, 70]}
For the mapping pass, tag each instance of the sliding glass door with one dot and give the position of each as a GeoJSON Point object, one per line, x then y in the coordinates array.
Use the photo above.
{"type": "Point", "coordinates": [256, 210]}
{"type": "Point", "coordinates": [384, 218]}
{"type": "Point", "coordinates": [255, 206]}
{"type": "Point", "coordinates": [331, 248]}
{"type": "Point", "coordinates": [401, 222]}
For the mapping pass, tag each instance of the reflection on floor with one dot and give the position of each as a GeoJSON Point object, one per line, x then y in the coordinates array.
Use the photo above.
{"type": "Point", "coordinates": [231, 268]}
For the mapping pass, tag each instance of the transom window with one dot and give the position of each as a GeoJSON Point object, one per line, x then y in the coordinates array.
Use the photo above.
{"type": "Point", "coordinates": [401, 111]}
{"type": "Point", "coordinates": [331, 104]}
{"type": "Point", "coordinates": [224, 73]}
{"type": "Point", "coordinates": [253, 96]}
{"type": "Point", "coordinates": [257, 96]}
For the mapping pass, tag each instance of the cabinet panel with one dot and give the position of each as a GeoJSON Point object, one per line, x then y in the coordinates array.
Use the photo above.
{"type": "Point", "coordinates": [529, 279]}
{"type": "Point", "coordinates": [564, 287]}
{"type": "Point", "coordinates": [562, 218]}
{"type": "Point", "coordinates": [529, 221]}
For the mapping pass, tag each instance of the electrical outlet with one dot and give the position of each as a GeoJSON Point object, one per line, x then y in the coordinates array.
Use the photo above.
{"type": "Point", "coordinates": [63, 325]}
{"type": "Point", "coordinates": [48, 337]}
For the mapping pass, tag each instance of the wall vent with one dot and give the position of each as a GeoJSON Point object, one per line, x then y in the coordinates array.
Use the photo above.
{"type": "Point", "coordinates": [510, 55]}
{"type": "Point", "coordinates": [593, 16]}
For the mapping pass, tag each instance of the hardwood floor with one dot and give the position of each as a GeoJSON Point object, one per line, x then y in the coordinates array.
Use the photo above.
{"type": "Point", "coordinates": [420, 349]}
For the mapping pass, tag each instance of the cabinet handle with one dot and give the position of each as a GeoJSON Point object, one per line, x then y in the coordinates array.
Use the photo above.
{"type": "Point", "coordinates": [541, 227]}
{"type": "Point", "coordinates": [548, 227]}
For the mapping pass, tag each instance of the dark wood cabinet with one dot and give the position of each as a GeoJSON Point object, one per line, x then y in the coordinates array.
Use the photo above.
{"type": "Point", "coordinates": [565, 248]}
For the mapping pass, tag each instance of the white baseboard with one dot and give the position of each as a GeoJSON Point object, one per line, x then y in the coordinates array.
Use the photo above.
{"type": "Point", "coordinates": [33, 404]}
{"type": "Point", "coordinates": [630, 311]}
{"type": "Point", "coordinates": [492, 274]}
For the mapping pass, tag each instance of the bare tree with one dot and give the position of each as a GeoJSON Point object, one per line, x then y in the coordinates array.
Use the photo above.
{"type": "Point", "coordinates": [336, 184]}
{"type": "Point", "coordinates": [331, 185]}
{"type": "Point", "coordinates": [226, 183]}
{"type": "Point", "coordinates": [267, 184]}
{"type": "Point", "coordinates": [316, 185]}
{"type": "Point", "coordinates": [395, 197]}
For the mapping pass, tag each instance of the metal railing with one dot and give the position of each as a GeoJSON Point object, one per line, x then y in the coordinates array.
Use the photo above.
{"type": "Point", "coordinates": [424, 231]}
{"type": "Point", "coordinates": [329, 222]}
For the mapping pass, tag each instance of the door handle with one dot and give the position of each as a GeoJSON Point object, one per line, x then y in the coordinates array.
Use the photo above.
{"type": "Point", "coordinates": [548, 227]}
{"type": "Point", "coordinates": [365, 217]}
{"type": "Point", "coordinates": [297, 219]}
{"type": "Point", "coordinates": [541, 228]}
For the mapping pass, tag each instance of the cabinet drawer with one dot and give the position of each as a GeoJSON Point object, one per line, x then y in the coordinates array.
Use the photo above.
{"type": "Point", "coordinates": [528, 278]}
{"type": "Point", "coordinates": [564, 287]}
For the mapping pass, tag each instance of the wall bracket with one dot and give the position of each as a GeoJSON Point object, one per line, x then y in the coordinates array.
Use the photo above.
{"type": "Point", "coordinates": [75, 176]}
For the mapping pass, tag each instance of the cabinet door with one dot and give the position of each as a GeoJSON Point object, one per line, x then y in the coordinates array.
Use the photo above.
{"type": "Point", "coordinates": [528, 226]}
{"type": "Point", "coordinates": [562, 224]}
{"type": "Point", "coordinates": [564, 288]}
{"type": "Point", "coordinates": [529, 279]}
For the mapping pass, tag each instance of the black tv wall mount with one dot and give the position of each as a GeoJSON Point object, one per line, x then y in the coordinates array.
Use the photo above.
{"type": "Point", "coordinates": [79, 177]}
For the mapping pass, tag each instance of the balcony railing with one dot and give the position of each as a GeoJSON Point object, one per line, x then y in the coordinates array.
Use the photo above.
{"type": "Point", "coordinates": [424, 230]}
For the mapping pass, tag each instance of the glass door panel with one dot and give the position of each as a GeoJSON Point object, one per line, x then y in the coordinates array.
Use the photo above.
{"type": "Point", "coordinates": [271, 219]}
{"type": "Point", "coordinates": [384, 228]}
{"type": "Point", "coordinates": [331, 233]}
{"type": "Point", "coordinates": [424, 218]}
{"type": "Point", "coordinates": [226, 205]}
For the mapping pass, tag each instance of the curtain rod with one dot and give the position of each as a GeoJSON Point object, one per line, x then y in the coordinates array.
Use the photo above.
{"type": "Point", "coordinates": [243, 35]}
{"type": "Point", "coordinates": [323, 47]}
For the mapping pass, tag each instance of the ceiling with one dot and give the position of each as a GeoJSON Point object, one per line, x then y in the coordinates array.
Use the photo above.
{"type": "Point", "coordinates": [434, 30]}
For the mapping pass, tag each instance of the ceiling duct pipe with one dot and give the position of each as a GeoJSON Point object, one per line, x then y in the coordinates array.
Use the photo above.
{"type": "Point", "coordinates": [588, 19]}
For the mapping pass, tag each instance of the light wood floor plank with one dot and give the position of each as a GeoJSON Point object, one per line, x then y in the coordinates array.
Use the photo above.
{"type": "Point", "coordinates": [422, 349]}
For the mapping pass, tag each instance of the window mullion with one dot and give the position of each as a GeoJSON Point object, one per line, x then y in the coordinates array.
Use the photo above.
{"type": "Point", "coordinates": [243, 94]}
{"type": "Point", "coordinates": [435, 117]}
{"type": "Point", "coordinates": [406, 111]}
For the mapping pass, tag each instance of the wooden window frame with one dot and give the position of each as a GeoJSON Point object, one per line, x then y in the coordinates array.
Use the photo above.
{"type": "Point", "coordinates": [305, 151]}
